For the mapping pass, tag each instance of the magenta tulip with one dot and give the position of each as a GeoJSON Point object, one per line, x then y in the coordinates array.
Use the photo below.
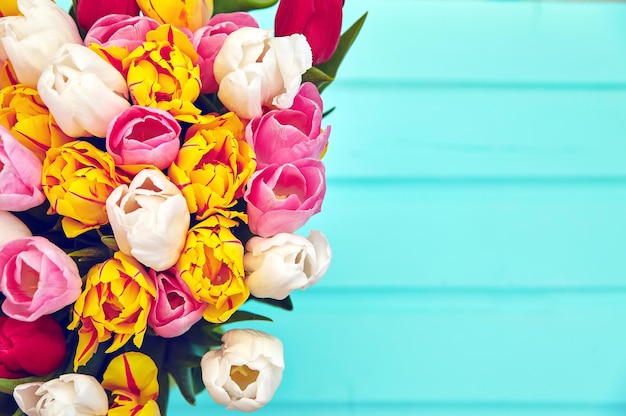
{"type": "Point", "coordinates": [88, 11]}
{"type": "Point", "coordinates": [175, 309]}
{"type": "Point", "coordinates": [318, 20]}
{"type": "Point", "coordinates": [283, 136]}
{"type": "Point", "coordinates": [143, 136]}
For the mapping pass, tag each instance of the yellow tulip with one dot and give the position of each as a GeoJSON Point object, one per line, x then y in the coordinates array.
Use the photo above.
{"type": "Point", "coordinates": [9, 8]}
{"type": "Point", "coordinates": [190, 14]}
{"type": "Point", "coordinates": [7, 74]}
{"type": "Point", "coordinates": [115, 303]}
{"type": "Point", "coordinates": [212, 266]}
{"type": "Point", "coordinates": [213, 165]}
{"type": "Point", "coordinates": [163, 73]}
{"type": "Point", "coordinates": [25, 115]}
{"type": "Point", "coordinates": [132, 379]}
{"type": "Point", "coordinates": [77, 179]}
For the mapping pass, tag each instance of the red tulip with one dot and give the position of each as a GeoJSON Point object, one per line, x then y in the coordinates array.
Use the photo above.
{"type": "Point", "coordinates": [318, 20]}
{"type": "Point", "coordinates": [30, 348]}
{"type": "Point", "coordinates": [88, 11]}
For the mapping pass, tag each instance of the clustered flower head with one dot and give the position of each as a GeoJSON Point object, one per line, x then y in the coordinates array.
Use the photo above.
{"type": "Point", "coordinates": [153, 173]}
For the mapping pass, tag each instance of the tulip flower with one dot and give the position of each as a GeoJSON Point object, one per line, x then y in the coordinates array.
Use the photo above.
{"type": "Point", "coordinates": [132, 379]}
{"type": "Point", "coordinates": [24, 114]}
{"type": "Point", "coordinates": [77, 180]}
{"type": "Point", "coordinates": [175, 310]}
{"type": "Point", "coordinates": [278, 265]}
{"type": "Point", "coordinates": [20, 175]}
{"type": "Point", "coordinates": [213, 165]}
{"type": "Point", "coordinates": [246, 371]}
{"type": "Point", "coordinates": [115, 303]}
{"type": "Point", "coordinates": [30, 41]}
{"type": "Point", "coordinates": [150, 219]}
{"type": "Point", "coordinates": [30, 348]}
{"type": "Point", "coordinates": [70, 394]}
{"type": "Point", "coordinates": [189, 14]}
{"type": "Point", "coordinates": [282, 198]}
{"type": "Point", "coordinates": [254, 70]}
{"type": "Point", "coordinates": [318, 20]}
{"type": "Point", "coordinates": [211, 264]}
{"type": "Point", "coordinates": [9, 8]}
{"type": "Point", "coordinates": [83, 92]}
{"type": "Point", "coordinates": [89, 11]}
{"type": "Point", "coordinates": [12, 228]}
{"type": "Point", "coordinates": [143, 136]}
{"type": "Point", "coordinates": [37, 278]}
{"type": "Point", "coordinates": [284, 136]}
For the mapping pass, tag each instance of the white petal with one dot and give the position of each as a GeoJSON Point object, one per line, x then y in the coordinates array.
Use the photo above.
{"type": "Point", "coordinates": [12, 228]}
{"type": "Point", "coordinates": [26, 398]}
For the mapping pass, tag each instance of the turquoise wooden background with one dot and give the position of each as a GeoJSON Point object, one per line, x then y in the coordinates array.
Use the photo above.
{"type": "Point", "coordinates": [477, 210]}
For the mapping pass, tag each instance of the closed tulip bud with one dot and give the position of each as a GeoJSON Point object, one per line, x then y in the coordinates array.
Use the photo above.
{"type": "Point", "coordinates": [318, 20]}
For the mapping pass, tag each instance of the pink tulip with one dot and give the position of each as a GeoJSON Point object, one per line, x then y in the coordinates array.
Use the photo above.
{"type": "Point", "coordinates": [318, 20]}
{"type": "Point", "coordinates": [88, 11]}
{"type": "Point", "coordinates": [283, 136]}
{"type": "Point", "coordinates": [208, 41]}
{"type": "Point", "coordinates": [37, 278]}
{"type": "Point", "coordinates": [20, 175]}
{"type": "Point", "coordinates": [175, 309]}
{"type": "Point", "coordinates": [282, 198]}
{"type": "Point", "coordinates": [120, 30]}
{"type": "Point", "coordinates": [143, 136]}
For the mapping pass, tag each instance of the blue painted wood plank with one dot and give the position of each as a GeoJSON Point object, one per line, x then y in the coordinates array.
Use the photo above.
{"type": "Point", "coordinates": [421, 348]}
{"type": "Point", "coordinates": [399, 130]}
{"type": "Point", "coordinates": [521, 41]}
{"type": "Point", "coordinates": [451, 234]}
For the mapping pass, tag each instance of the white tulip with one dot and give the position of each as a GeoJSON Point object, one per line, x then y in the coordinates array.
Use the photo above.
{"type": "Point", "coordinates": [254, 70]}
{"type": "Point", "coordinates": [68, 395]}
{"type": "Point", "coordinates": [245, 373]}
{"type": "Point", "coordinates": [29, 41]}
{"type": "Point", "coordinates": [12, 228]}
{"type": "Point", "coordinates": [150, 219]}
{"type": "Point", "coordinates": [278, 265]}
{"type": "Point", "coordinates": [83, 92]}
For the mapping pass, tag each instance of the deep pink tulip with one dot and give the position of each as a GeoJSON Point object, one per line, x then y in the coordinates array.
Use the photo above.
{"type": "Point", "coordinates": [143, 136]}
{"type": "Point", "coordinates": [88, 11]}
{"type": "Point", "coordinates": [30, 348]}
{"type": "Point", "coordinates": [318, 20]}
{"type": "Point", "coordinates": [282, 198]}
{"type": "Point", "coordinates": [175, 309]}
{"type": "Point", "coordinates": [283, 136]}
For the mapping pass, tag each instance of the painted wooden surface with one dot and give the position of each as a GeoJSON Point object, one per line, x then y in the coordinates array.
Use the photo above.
{"type": "Point", "coordinates": [477, 212]}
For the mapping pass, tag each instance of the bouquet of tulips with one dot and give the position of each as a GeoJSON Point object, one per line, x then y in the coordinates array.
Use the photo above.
{"type": "Point", "coordinates": [156, 159]}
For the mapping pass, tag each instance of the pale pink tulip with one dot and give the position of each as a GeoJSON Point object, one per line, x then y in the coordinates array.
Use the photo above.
{"type": "Point", "coordinates": [20, 175]}
{"type": "Point", "coordinates": [282, 198]}
{"type": "Point", "coordinates": [37, 278]}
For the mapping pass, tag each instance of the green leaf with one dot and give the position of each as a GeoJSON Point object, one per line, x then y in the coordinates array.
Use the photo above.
{"type": "Point", "coordinates": [317, 77]}
{"type": "Point", "coordinates": [327, 112]}
{"type": "Point", "coordinates": [241, 316]}
{"type": "Point", "coordinates": [90, 254]}
{"type": "Point", "coordinates": [203, 334]}
{"type": "Point", "coordinates": [282, 304]}
{"type": "Point", "coordinates": [227, 6]}
{"type": "Point", "coordinates": [109, 241]}
{"type": "Point", "coordinates": [7, 385]}
{"type": "Point", "coordinates": [184, 381]}
{"type": "Point", "coordinates": [345, 42]}
{"type": "Point", "coordinates": [164, 390]}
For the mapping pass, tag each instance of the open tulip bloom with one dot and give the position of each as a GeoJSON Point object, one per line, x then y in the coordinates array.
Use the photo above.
{"type": "Point", "coordinates": [159, 160]}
